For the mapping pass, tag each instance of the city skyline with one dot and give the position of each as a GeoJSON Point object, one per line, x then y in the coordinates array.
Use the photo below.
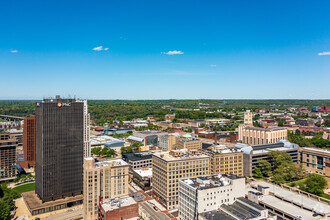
{"type": "Point", "coordinates": [165, 50]}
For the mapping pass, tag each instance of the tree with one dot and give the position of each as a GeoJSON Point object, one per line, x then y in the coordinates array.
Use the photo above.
{"type": "Point", "coordinates": [104, 151]}
{"type": "Point", "coordinates": [257, 173]}
{"type": "Point", "coordinates": [315, 184]}
{"type": "Point", "coordinates": [279, 158]}
{"type": "Point", "coordinates": [265, 167]}
{"type": "Point", "coordinates": [129, 149]}
{"type": "Point", "coordinates": [123, 150]}
{"type": "Point", "coordinates": [96, 151]}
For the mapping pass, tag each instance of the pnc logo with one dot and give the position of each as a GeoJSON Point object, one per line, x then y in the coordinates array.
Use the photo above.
{"type": "Point", "coordinates": [63, 104]}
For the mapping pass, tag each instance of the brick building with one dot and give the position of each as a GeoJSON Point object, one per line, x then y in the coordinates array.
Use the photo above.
{"type": "Point", "coordinates": [29, 140]}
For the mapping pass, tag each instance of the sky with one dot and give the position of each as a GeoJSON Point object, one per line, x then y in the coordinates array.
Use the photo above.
{"type": "Point", "coordinates": [173, 49]}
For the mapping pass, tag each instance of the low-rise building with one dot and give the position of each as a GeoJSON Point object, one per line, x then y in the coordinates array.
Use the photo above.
{"type": "Point", "coordinates": [124, 207]}
{"type": "Point", "coordinates": [251, 154]}
{"type": "Point", "coordinates": [305, 122]}
{"type": "Point", "coordinates": [146, 137]}
{"type": "Point", "coordinates": [203, 194]}
{"type": "Point", "coordinates": [224, 160]}
{"type": "Point", "coordinates": [142, 177]}
{"type": "Point", "coordinates": [169, 168]}
{"type": "Point", "coordinates": [313, 160]}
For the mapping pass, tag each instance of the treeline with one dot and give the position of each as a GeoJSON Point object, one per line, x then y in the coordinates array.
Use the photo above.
{"type": "Point", "coordinates": [316, 141]}
{"type": "Point", "coordinates": [7, 203]}
{"type": "Point", "coordinates": [199, 115]}
{"type": "Point", "coordinates": [103, 111]}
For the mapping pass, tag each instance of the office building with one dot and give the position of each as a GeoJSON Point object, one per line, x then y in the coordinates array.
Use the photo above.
{"type": "Point", "coordinates": [60, 142]}
{"type": "Point", "coordinates": [169, 167]}
{"type": "Point", "coordinates": [224, 160]}
{"type": "Point", "coordinates": [203, 194]}
{"type": "Point", "coordinates": [257, 135]}
{"type": "Point", "coordinates": [29, 140]}
{"type": "Point", "coordinates": [102, 181]}
{"type": "Point", "coordinates": [138, 160]}
{"type": "Point", "coordinates": [8, 146]}
{"type": "Point", "coordinates": [190, 143]}
{"type": "Point", "coordinates": [314, 160]}
{"type": "Point", "coordinates": [249, 134]}
{"type": "Point", "coordinates": [168, 142]}
{"type": "Point", "coordinates": [87, 130]}
{"type": "Point", "coordinates": [251, 154]}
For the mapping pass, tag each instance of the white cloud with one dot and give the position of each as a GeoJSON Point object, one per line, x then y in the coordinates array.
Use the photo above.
{"type": "Point", "coordinates": [100, 48]}
{"type": "Point", "coordinates": [213, 65]}
{"type": "Point", "coordinates": [173, 52]}
{"type": "Point", "coordinates": [324, 53]}
{"type": "Point", "coordinates": [13, 51]}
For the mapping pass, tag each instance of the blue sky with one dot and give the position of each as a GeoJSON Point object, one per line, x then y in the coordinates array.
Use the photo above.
{"type": "Point", "coordinates": [165, 49]}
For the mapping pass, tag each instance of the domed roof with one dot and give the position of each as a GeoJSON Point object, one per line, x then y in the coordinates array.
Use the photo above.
{"type": "Point", "coordinates": [187, 135]}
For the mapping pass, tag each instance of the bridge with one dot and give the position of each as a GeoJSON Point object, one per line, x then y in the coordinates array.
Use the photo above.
{"type": "Point", "coordinates": [11, 117]}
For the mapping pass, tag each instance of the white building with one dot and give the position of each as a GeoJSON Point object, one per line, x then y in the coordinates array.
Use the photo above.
{"type": "Point", "coordinates": [87, 143]}
{"type": "Point", "coordinates": [203, 194]}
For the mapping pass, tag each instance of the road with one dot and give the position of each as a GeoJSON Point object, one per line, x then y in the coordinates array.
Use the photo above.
{"type": "Point", "coordinates": [154, 214]}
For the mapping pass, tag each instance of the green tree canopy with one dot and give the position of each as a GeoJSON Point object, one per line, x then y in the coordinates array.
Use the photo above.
{"type": "Point", "coordinates": [315, 184]}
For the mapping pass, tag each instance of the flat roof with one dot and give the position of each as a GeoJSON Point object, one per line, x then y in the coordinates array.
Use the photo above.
{"type": "Point", "coordinates": [167, 157]}
{"type": "Point", "coordinates": [144, 172]}
{"type": "Point", "coordinates": [209, 182]}
{"type": "Point", "coordinates": [216, 215]}
{"type": "Point", "coordinates": [118, 162]}
{"type": "Point", "coordinates": [34, 203]}
{"type": "Point", "coordinates": [295, 198]}
{"type": "Point", "coordinates": [112, 204]}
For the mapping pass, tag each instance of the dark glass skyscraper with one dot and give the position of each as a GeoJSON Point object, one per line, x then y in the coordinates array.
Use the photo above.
{"type": "Point", "coordinates": [59, 148]}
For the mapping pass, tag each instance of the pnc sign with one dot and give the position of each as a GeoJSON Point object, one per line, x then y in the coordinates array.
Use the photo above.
{"type": "Point", "coordinates": [60, 104]}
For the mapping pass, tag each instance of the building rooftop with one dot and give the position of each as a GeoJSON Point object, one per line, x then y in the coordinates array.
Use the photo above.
{"type": "Point", "coordinates": [139, 155]}
{"type": "Point", "coordinates": [317, 150]}
{"type": "Point", "coordinates": [34, 203]}
{"type": "Point", "coordinates": [112, 204]}
{"type": "Point", "coordinates": [181, 154]}
{"type": "Point", "coordinates": [266, 129]}
{"type": "Point", "coordinates": [209, 182]}
{"type": "Point", "coordinates": [295, 198]}
{"type": "Point", "coordinates": [281, 145]}
{"type": "Point", "coordinates": [216, 215]}
{"type": "Point", "coordinates": [118, 162]}
{"type": "Point", "coordinates": [221, 149]}
{"type": "Point", "coordinates": [144, 172]}
{"type": "Point", "coordinates": [101, 140]}
{"type": "Point", "coordinates": [135, 138]}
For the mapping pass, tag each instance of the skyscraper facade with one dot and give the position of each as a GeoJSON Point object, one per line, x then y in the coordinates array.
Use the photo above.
{"type": "Point", "coordinates": [60, 129]}
{"type": "Point", "coordinates": [8, 146]}
{"type": "Point", "coordinates": [29, 138]}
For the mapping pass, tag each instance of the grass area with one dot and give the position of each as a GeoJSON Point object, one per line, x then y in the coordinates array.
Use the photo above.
{"type": "Point", "coordinates": [324, 195]}
{"type": "Point", "coordinates": [301, 183]}
{"type": "Point", "coordinates": [25, 187]}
